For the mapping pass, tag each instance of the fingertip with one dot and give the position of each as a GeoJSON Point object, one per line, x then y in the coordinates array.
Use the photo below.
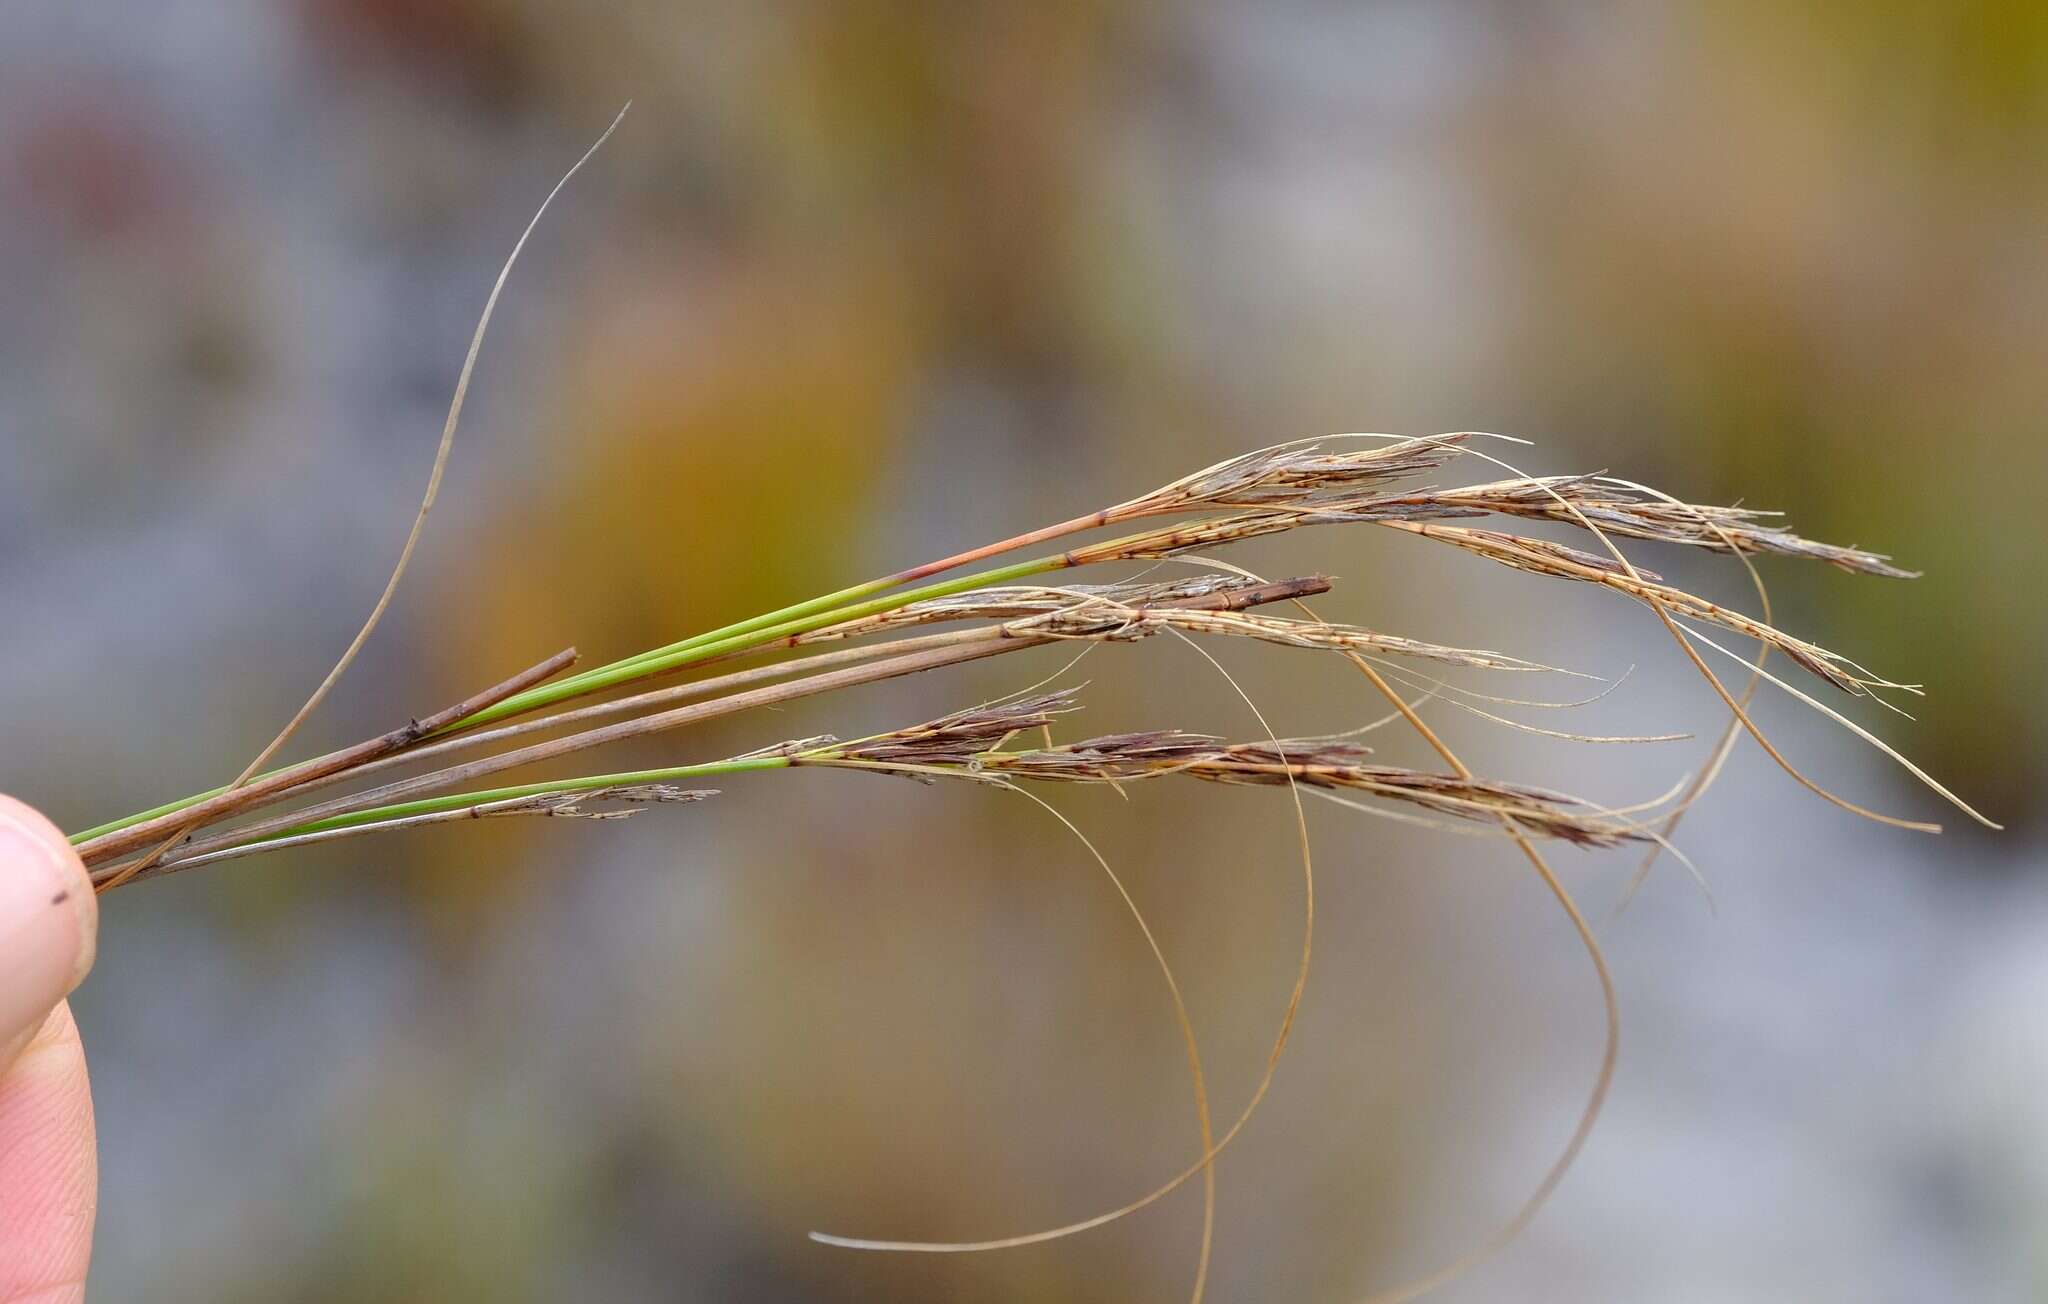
{"type": "Point", "coordinates": [50, 841]}
{"type": "Point", "coordinates": [49, 918]}
{"type": "Point", "coordinates": [49, 1180]}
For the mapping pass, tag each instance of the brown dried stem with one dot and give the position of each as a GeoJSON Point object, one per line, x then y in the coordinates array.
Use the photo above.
{"type": "Point", "coordinates": [334, 766]}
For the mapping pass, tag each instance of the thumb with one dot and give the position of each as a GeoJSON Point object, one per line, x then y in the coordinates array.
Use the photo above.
{"type": "Point", "coordinates": [49, 923]}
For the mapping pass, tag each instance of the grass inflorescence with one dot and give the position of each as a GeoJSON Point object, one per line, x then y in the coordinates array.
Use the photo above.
{"type": "Point", "coordinates": [944, 613]}
{"type": "Point", "coordinates": [831, 647]}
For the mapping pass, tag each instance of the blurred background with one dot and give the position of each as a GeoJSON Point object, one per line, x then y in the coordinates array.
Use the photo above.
{"type": "Point", "coordinates": [857, 285]}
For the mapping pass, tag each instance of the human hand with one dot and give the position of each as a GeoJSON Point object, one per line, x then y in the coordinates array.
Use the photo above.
{"type": "Point", "coordinates": [49, 1174]}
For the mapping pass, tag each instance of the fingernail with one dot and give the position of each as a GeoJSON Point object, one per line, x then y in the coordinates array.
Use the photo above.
{"type": "Point", "coordinates": [47, 915]}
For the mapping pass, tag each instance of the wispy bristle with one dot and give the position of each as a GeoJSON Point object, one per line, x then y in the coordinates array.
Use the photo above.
{"type": "Point", "coordinates": [1010, 602]}
{"type": "Point", "coordinates": [1323, 636]}
{"type": "Point", "coordinates": [1188, 536]}
{"type": "Point", "coordinates": [1292, 475]}
{"type": "Point", "coordinates": [794, 747]}
{"type": "Point", "coordinates": [956, 739]}
{"type": "Point", "coordinates": [575, 805]}
{"type": "Point", "coordinates": [1329, 763]}
{"type": "Point", "coordinates": [1338, 763]}
{"type": "Point", "coordinates": [1621, 508]}
{"type": "Point", "coordinates": [1112, 757]}
{"type": "Point", "coordinates": [1541, 557]}
{"type": "Point", "coordinates": [1124, 612]}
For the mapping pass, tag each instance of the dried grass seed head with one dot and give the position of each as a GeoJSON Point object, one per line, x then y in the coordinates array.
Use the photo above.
{"type": "Point", "coordinates": [1621, 507]}
{"type": "Point", "coordinates": [1296, 474]}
